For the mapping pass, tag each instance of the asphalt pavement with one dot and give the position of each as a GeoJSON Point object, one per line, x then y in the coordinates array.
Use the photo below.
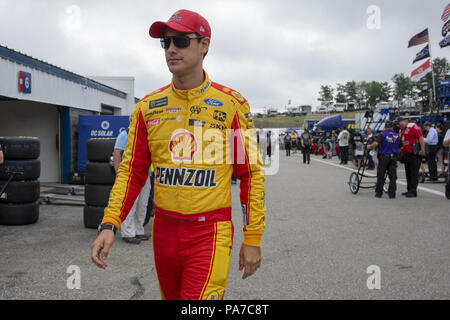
{"type": "Point", "coordinates": [321, 242]}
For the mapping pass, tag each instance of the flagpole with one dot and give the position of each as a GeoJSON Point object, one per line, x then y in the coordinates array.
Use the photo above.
{"type": "Point", "coordinates": [431, 65]}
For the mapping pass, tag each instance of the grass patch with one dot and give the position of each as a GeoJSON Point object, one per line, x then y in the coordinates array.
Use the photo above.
{"type": "Point", "coordinates": [282, 121]}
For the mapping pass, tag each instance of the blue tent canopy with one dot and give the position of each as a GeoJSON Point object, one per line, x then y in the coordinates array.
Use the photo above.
{"type": "Point", "coordinates": [331, 121]}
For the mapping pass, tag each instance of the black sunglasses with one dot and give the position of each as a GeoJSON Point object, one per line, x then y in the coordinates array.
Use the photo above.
{"type": "Point", "coordinates": [179, 41]}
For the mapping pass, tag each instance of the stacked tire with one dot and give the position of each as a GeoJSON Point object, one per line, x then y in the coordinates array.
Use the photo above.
{"type": "Point", "coordinates": [19, 203]}
{"type": "Point", "coordinates": [100, 178]}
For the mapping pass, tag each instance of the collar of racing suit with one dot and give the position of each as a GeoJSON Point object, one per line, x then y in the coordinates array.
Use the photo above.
{"type": "Point", "coordinates": [195, 92]}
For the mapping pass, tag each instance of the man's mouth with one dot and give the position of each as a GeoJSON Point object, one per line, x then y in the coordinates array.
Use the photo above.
{"type": "Point", "coordinates": [174, 59]}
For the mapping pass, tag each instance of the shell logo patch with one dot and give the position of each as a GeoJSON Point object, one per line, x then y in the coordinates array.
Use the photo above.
{"type": "Point", "coordinates": [182, 146]}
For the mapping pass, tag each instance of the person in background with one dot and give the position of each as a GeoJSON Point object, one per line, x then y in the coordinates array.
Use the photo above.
{"type": "Point", "coordinates": [281, 141]}
{"type": "Point", "coordinates": [132, 228]}
{"type": "Point", "coordinates": [325, 144]}
{"type": "Point", "coordinates": [287, 144]}
{"type": "Point", "coordinates": [329, 146]}
{"type": "Point", "coordinates": [432, 140]}
{"type": "Point", "coordinates": [233, 179]}
{"type": "Point", "coordinates": [1, 154]}
{"type": "Point", "coordinates": [344, 137]}
{"type": "Point", "coordinates": [372, 153]}
{"type": "Point", "coordinates": [423, 174]}
{"type": "Point", "coordinates": [305, 139]}
{"type": "Point", "coordinates": [413, 149]}
{"type": "Point", "coordinates": [294, 142]}
{"type": "Point", "coordinates": [263, 144]}
{"type": "Point", "coordinates": [389, 143]}
{"type": "Point", "coordinates": [257, 137]}
{"type": "Point", "coordinates": [269, 145]}
{"type": "Point", "coordinates": [314, 147]}
{"type": "Point", "coordinates": [358, 148]}
{"type": "Point", "coordinates": [334, 142]}
{"type": "Point", "coordinates": [440, 149]}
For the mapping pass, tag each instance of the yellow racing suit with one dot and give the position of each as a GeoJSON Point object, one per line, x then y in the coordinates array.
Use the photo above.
{"type": "Point", "coordinates": [195, 139]}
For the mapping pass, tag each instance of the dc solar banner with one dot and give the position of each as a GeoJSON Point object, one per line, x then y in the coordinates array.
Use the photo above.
{"type": "Point", "coordinates": [97, 127]}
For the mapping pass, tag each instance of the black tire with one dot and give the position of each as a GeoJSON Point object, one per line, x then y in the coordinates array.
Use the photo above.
{"type": "Point", "coordinates": [100, 149]}
{"type": "Point", "coordinates": [97, 194]}
{"type": "Point", "coordinates": [19, 214]}
{"type": "Point", "coordinates": [353, 183]}
{"type": "Point", "coordinates": [20, 191]}
{"type": "Point", "coordinates": [93, 216]}
{"type": "Point", "coordinates": [20, 148]}
{"type": "Point", "coordinates": [25, 169]}
{"type": "Point", "coordinates": [99, 173]}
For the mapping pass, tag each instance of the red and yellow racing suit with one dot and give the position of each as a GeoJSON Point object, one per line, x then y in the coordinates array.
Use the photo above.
{"type": "Point", "coordinates": [195, 139]}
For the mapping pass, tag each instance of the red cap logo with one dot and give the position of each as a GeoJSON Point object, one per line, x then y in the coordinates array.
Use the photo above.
{"type": "Point", "coordinates": [184, 21]}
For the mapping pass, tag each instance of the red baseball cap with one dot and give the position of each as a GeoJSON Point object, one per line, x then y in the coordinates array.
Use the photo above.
{"type": "Point", "coordinates": [182, 21]}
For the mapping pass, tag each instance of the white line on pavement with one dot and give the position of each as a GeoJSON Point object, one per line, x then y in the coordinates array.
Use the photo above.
{"type": "Point", "coordinates": [374, 175]}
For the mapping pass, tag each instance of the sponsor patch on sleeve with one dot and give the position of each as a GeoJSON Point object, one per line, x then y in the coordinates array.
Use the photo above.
{"type": "Point", "coordinates": [153, 122]}
{"type": "Point", "coordinates": [158, 103]}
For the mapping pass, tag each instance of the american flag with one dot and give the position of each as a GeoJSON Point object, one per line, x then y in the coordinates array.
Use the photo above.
{"type": "Point", "coordinates": [419, 38]}
{"type": "Point", "coordinates": [446, 13]}
{"type": "Point", "coordinates": [445, 28]}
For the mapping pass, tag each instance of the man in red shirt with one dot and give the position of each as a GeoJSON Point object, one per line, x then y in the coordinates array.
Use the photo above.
{"type": "Point", "coordinates": [413, 149]}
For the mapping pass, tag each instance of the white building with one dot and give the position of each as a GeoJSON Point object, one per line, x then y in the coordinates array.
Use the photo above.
{"type": "Point", "coordinates": [42, 100]}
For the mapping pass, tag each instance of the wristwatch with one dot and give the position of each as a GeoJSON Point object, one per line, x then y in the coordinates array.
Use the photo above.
{"type": "Point", "coordinates": [107, 226]}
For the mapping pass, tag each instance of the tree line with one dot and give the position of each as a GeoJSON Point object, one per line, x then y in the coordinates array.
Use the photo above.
{"type": "Point", "coordinates": [365, 93]}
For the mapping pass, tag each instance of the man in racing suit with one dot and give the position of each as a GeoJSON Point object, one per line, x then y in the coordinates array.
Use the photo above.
{"type": "Point", "coordinates": [196, 134]}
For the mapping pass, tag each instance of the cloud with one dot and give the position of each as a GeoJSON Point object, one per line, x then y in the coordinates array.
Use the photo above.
{"type": "Point", "coordinates": [270, 51]}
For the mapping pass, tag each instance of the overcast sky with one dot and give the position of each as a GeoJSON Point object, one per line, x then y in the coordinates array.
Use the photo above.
{"type": "Point", "coordinates": [270, 51]}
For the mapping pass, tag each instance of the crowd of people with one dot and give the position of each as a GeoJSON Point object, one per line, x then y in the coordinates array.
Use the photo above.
{"type": "Point", "coordinates": [401, 140]}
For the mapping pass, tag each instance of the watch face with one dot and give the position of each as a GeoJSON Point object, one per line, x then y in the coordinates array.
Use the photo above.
{"type": "Point", "coordinates": [106, 227]}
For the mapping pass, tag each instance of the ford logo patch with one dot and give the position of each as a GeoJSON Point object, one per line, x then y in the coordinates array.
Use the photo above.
{"type": "Point", "coordinates": [213, 102]}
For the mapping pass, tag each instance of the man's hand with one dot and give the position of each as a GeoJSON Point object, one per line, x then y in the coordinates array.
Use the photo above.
{"type": "Point", "coordinates": [100, 248]}
{"type": "Point", "coordinates": [422, 146]}
{"type": "Point", "coordinates": [117, 157]}
{"type": "Point", "coordinates": [249, 260]}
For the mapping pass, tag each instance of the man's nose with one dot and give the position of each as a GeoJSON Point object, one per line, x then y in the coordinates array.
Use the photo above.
{"type": "Point", "coordinates": [172, 47]}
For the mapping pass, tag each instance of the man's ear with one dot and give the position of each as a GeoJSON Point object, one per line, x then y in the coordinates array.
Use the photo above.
{"type": "Point", "coordinates": [205, 45]}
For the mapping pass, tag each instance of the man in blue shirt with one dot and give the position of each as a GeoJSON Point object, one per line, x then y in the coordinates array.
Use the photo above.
{"type": "Point", "coordinates": [431, 140]}
{"type": "Point", "coordinates": [132, 229]}
{"type": "Point", "coordinates": [389, 143]}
